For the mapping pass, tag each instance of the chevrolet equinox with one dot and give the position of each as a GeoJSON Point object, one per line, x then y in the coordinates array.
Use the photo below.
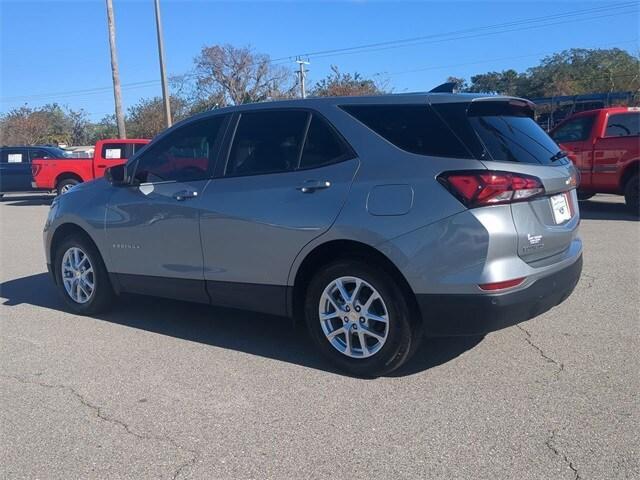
{"type": "Point", "coordinates": [375, 220]}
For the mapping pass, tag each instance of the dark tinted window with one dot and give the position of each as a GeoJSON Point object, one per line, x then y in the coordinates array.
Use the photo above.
{"type": "Point", "coordinates": [322, 145]}
{"type": "Point", "coordinates": [514, 139]}
{"type": "Point", "coordinates": [501, 131]}
{"type": "Point", "coordinates": [40, 153]}
{"type": "Point", "coordinates": [14, 155]}
{"type": "Point", "coordinates": [267, 142]}
{"type": "Point", "coordinates": [576, 130]}
{"type": "Point", "coordinates": [185, 154]}
{"type": "Point", "coordinates": [414, 128]}
{"type": "Point", "coordinates": [623, 125]}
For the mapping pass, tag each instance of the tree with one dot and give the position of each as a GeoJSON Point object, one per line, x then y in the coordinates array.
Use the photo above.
{"type": "Point", "coordinates": [105, 128]}
{"type": "Point", "coordinates": [506, 82]}
{"type": "Point", "coordinates": [570, 72]}
{"type": "Point", "coordinates": [461, 83]}
{"type": "Point", "coordinates": [234, 75]}
{"type": "Point", "coordinates": [29, 126]}
{"type": "Point", "coordinates": [80, 127]}
{"type": "Point", "coordinates": [146, 118]}
{"type": "Point", "coordinates": [579, 70]}
{"type": "Point", "coordinates": [338, 84]}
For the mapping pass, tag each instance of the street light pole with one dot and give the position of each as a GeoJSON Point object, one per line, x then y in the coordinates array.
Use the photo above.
{"type": "Point", "coordinates": [163, 73]}
{"type": "Point", "coordinates": [115, 72]}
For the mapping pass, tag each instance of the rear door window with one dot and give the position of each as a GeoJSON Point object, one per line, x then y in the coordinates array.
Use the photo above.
{"type": "Point", "coordinates": [267, 141]}
{"type": "Point", "coordinates": [413, 128]}
{"type": "Point", "coordinates": [623, 125]}
{"type": "Point", "coordinates": [577, 130]}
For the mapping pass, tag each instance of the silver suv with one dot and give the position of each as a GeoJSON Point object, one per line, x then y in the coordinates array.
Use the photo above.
{"type": "Point", "coordinates": [374, 220]}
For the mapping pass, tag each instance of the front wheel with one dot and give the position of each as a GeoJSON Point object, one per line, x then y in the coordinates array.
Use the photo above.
{"type": "Point", "coordinates": [632, 194]}
{"type": "Point", "coordinates": [81, 276]}
{"type": "Point", "coordinates": [359, 318]}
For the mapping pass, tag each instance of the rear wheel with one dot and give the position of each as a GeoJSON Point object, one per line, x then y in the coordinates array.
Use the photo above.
{"type": "Point", "coordinates": [65, 185]}
{"type": "Point", "coordinates": [359, 318]}
{"type": "Point", "coordinates": [632, 194]}
{"type": "Point", "coordinates": [81, 276]}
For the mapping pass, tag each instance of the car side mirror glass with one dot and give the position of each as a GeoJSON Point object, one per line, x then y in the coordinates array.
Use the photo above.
{"type": "Point", "coordinates": [116, 175]}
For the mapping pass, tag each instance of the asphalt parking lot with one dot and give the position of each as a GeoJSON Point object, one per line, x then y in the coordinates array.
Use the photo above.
{"type": "Point", "coordinates": [165, 389]}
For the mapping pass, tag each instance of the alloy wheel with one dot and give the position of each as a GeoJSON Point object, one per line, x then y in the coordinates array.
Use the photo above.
{"type": "Point", "coordinates": [354, 317]}
{"type": "Point", "coordinates": [77, 275]}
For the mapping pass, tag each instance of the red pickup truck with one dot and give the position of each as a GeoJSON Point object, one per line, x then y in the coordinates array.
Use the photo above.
{"type": "Point", "coordinates": [61, 174]}
{"type": "Point", "coordinates": [604, 145]}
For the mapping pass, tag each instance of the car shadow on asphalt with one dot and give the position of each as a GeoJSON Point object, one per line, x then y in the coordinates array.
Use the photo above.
{"type": "Point", "coordinates": [27, 200]}
{"type": "Point", "coordinates": [594, 210]}
{"type": "Point", "coordinates": [253, 333]}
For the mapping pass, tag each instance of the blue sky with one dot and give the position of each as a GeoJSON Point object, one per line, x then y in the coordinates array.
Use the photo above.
{"type": "Point", "coordinates": [51, 51]}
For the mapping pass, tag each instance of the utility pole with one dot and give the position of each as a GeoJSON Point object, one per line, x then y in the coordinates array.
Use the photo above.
{"type": "Point", "coordinates": [115, 72]}
{"type": "Point", "coordinates": [302, 74]}
{"type": "Point", "coordinates": [163, 73]}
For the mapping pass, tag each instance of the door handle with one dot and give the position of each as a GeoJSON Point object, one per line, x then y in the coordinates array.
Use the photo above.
{"type": "Point", "coordinates": [311, 186]}
{"type": "Point", "coordinates": [184, 194]}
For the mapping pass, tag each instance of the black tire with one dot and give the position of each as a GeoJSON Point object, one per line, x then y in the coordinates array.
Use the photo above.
{"type": "Point", "coordinates": [65, 184]}
{"type": "Point", "coordinates": [632, 194]}
{"type": "Point", "coordinates": [584, 195]}
{"type": "Point", "coordinates": [401, 336]}
{"type": "Point", "coordinates": [102, 297]}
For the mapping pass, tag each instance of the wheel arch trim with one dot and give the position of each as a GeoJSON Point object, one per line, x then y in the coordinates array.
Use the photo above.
{"type": "Point", "coordinates": [330, 250]}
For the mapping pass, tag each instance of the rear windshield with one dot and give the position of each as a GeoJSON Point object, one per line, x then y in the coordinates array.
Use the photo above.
{"type": "Point", "coordinates": [500, 131]}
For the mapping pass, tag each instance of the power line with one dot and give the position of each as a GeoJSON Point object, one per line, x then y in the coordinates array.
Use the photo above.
{"type": "Point", "coordinates": [391, 44]}
{"type": "Point", "coordinates": [479, 35]}
{"type": "Point", "coordinates": [332, 52]}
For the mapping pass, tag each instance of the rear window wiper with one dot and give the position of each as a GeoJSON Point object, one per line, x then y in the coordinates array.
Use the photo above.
{"type": "Point", "coordinates": [559, 155]}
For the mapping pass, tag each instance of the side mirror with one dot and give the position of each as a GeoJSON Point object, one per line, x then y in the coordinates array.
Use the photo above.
{"type": "Point", "coordinates": [116, 175]}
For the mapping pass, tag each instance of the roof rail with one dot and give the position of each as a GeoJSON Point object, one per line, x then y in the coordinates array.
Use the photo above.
{"type": "Point", "coordinates": [447, 87]}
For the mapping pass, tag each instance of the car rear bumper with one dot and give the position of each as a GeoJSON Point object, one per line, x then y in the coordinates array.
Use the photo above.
{"type": "Point", "coordinates": [452, 315]}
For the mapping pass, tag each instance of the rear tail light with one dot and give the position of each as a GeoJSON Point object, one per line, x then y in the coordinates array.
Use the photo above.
{"type": "Point", "coordinates": [35, 169]}
{"type": "Point", "coordinates": [491, 287]}
{"type": "Point", "coordinates": [481, 187]}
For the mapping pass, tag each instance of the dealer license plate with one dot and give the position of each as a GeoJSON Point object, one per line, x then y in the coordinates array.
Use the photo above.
{"type": "Point", "coordinates": [560, 207]}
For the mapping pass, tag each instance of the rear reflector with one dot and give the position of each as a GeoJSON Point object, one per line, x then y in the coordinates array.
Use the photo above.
{"type": "Point", "coordinates": [501, 285]}
{"type": "Point", "coordinates": [480, 187]}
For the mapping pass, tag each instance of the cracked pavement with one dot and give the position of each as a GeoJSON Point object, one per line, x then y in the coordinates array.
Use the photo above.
{"type": "Point", "coordinates": [164, 389]}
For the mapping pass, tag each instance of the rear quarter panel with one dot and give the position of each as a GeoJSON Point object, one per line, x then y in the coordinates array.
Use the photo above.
{"type": "Point", "coordinates": [383, 165]}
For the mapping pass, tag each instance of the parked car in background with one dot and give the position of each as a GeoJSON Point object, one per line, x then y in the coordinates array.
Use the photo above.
{"type": "Point", "coordinates": [604, 145]}
{"type": "Point", "coordinates": [15, 166]}
{"type": "Point", "coordinates": [372, 219]}
{"type": "Point", "coordinates": [61, 174]}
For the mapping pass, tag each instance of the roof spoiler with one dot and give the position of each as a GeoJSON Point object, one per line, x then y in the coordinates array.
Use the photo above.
{"type": "Point", "coordinates": [447, 87]}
